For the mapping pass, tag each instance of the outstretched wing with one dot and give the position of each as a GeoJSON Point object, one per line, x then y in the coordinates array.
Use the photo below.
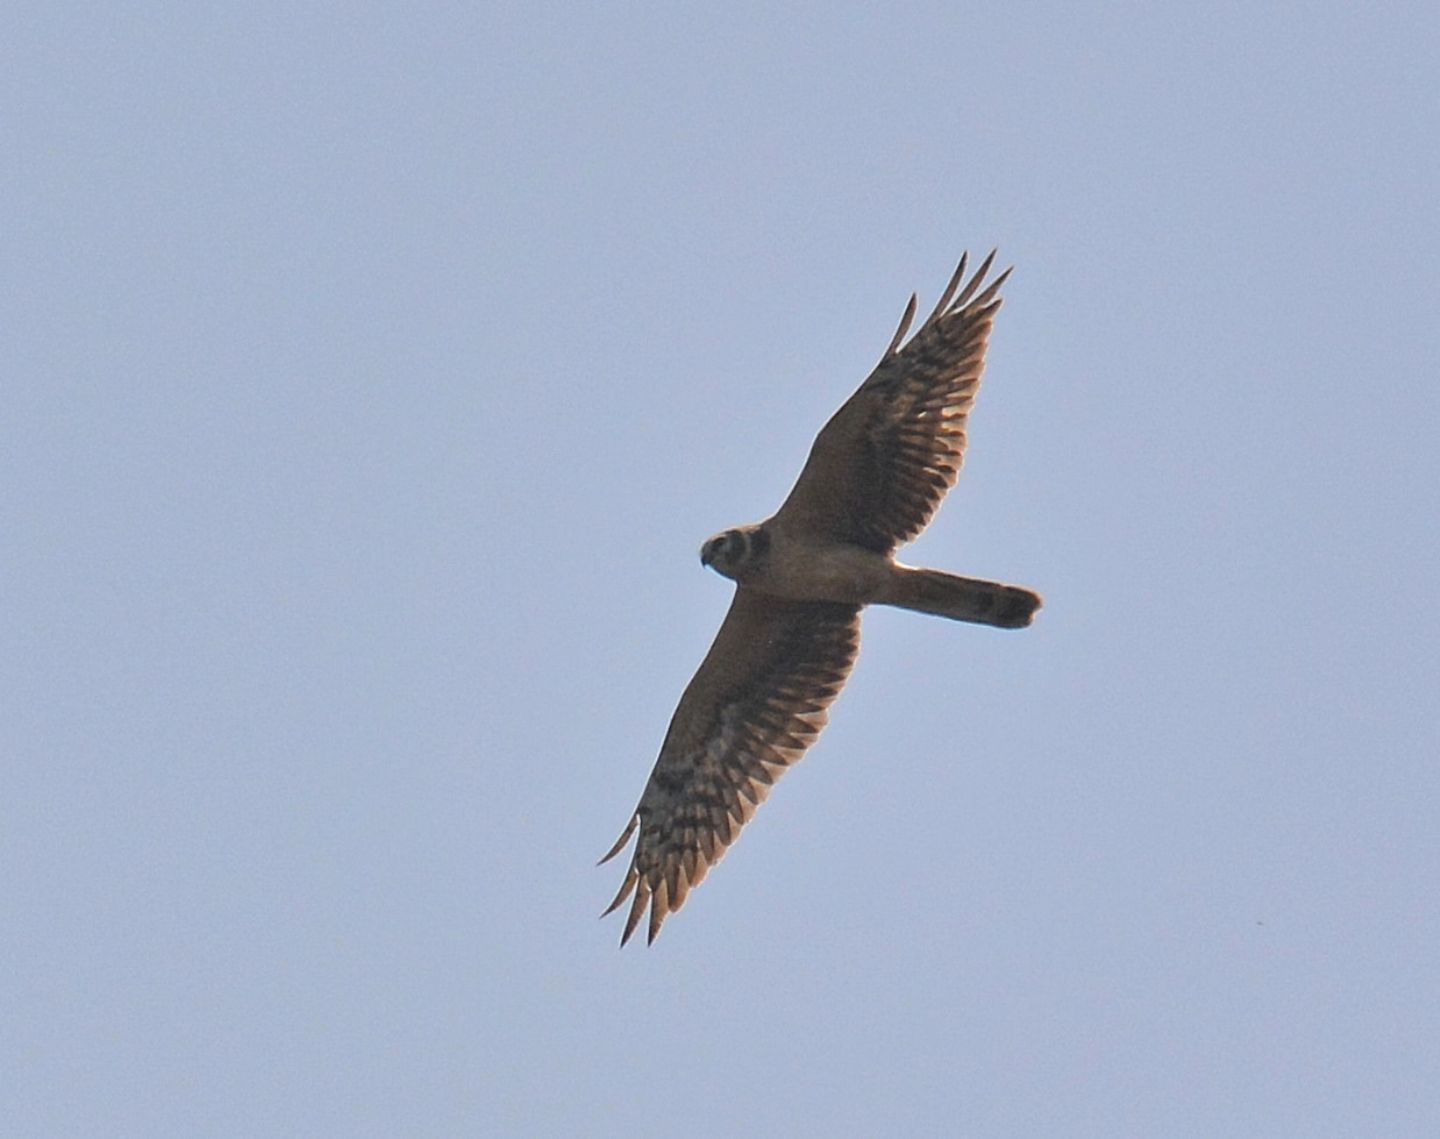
{"type": "Point", "coordinates": [880, 467]}
{"type": "Point", "coordinates": [759, 699]}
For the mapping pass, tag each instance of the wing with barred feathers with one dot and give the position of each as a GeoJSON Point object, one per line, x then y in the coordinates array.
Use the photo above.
{"type": "Point", "coordinates": [881, 465]}
{"type": "Point", "coordinates": [758, 701]}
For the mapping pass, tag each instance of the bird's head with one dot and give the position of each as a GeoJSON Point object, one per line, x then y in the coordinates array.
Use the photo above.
{"type": "Point", "coordinates": [732, 553]}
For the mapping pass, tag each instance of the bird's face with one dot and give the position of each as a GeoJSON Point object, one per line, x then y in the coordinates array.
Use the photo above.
{"type": "Point", "coordinates": [732, 552]}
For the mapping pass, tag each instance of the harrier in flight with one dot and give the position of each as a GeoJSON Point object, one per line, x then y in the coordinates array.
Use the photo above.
{"type": "Point", "coordinates": [874, 478]}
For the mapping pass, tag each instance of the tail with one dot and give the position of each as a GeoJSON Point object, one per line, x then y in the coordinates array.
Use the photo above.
{"type": "Point", "coordinates": [961, 598]}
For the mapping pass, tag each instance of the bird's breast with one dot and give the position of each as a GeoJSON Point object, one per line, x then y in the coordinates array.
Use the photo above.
{"type": "Point", "coordinates": [819, 571]}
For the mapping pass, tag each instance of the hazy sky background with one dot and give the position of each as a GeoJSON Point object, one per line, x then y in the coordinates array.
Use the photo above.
{"type": "Point", "coordinates": [371, 376]}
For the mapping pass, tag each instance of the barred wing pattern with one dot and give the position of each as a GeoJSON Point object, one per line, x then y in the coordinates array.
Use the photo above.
{"type": "Point", "coordinates": [881, 465]}
{"type": "Point", "coordinates": [759, 700]}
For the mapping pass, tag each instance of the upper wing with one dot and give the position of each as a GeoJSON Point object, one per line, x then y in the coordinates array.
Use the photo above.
{"type": "Point", "coordinates": [757, 702]}
{"type": "Point", "coordinates": [880, 467]}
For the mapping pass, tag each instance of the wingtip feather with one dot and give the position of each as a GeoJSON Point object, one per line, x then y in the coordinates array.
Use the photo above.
{"type": "Point", "coordinates": [622, 840]}
{"type": "Point", "coordinates": [905, 321]}
{"type": "Point", "coordinates": [955, 278]}
{"type": "Point", "coordinates": [637, 909]}
{"type": "Point", "coordinates": [974, 283]}
{"type": "Point", "coordinates": [625, 887]}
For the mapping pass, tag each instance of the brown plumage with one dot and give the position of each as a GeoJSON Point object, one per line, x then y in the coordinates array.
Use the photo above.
{"type": "Point", "coordinates": [875, 476]}
{"type": "Point", "coordinates": [881, 465]}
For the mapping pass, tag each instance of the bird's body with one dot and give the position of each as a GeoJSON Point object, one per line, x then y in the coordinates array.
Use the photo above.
{"type": "Point", "coordinates": [797, 567]}
{"type": "Point", "coordinates": [875, 476]}
{"type": "Point", "coordinates": [769, 558]}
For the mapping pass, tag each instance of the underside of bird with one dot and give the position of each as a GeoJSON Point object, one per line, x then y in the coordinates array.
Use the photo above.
{"type": "Point", "coordinates": [875, 476]}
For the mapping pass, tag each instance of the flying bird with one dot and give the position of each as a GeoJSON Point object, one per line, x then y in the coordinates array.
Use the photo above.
{"type": "Point", "coordinates": [875, 476]}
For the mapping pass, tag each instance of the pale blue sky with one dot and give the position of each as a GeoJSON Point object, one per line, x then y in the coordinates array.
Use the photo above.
{"type": "Point", "coordinates": [371, 376]}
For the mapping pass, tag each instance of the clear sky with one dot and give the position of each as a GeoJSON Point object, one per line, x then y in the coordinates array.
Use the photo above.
{"type": "Point", "coordinates": [371, 376]}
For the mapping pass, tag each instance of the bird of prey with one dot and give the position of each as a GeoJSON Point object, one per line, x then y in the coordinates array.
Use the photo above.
{"type": "Point", "coordinates": [875, 476]}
